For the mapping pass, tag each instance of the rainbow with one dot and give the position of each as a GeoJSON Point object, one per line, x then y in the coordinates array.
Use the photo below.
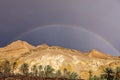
{"type": "Point", "coordinates": [69, 26]}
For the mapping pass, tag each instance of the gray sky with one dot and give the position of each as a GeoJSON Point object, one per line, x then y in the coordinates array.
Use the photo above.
{"type": "Point", "coordinates": [101, 17]}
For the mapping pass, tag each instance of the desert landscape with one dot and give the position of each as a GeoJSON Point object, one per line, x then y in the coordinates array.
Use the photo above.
{"type": "Point", "coordinates": [20, 60]}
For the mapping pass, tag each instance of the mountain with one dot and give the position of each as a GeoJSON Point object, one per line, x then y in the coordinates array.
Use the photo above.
{"type": "Point", "coordinates": [58, 57]}
{"type": "Point", "coordinates": [14, 50]}
{"type": "Point", "coordinates": [97, 54]}
{"type": "Point", "coordinates": [17, 45]}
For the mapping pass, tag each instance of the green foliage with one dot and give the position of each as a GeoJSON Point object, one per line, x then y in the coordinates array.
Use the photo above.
{"type": "Point", "coordinates": [102, 77]}
{"type": "Point", "coordinates": [7, 67]}
{"type": "Point", "coordinates": [73, 75]}
{"type": "Point", "coordinates": [65, 70]}
{"type": "Point", "coordinates": [65, 73]}
{"type": "Point", "coordinates": [14, 67]}
{"type": "Point", "coordinates": [118, 69]}
{"type": "Point", "coordinates": [108, 70]}
{"type": "Point", "coordinates": [117, 76]}
{"type": "Point", "coordinates": [52, 75]}
{"type": "Point", "coordinates": [96, 78]}
{"type": "Point", "coordinates": [69, 75]}
{"type": "Point", "coordinates": [58, 73]}
{"type": "Point", "coordinates": [48, 70]}
{"type": "Point", "coordinates": [35, 70]}
{"type": "Point", "coordinates": [42, 74]}
{"type": "Point", "coordinates": [40, 67]}
{"type": "Point", "coordinates": [24, 69]}
{"type": "Point", "coordinates": [90, 75]}
{"type": "Point", "coordinates": [1, 68]}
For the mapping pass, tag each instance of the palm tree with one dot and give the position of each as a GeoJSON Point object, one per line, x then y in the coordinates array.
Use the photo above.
{"type": "Point", "coordinates": [65, 73]}
{"type": "Point", "coordinates": [90, 74]}
{"type": "Point", "coordinates": [34, 70]}
{"type": "Point", "coordinates": [102, 76]}
{"type": "Point", "coordinates": [42, 74]}
{"type": "Point", "coordinates": [40, 70]}
{"type": "Point", "coordinates": [1, 68]}
{"type": "Point", "coordinates": [48, 70]}
{"type": "Point", "coordinates": [109, 71]}
{"type": "Point", "coordinates": [7, 67]}
{"type": "Point", "coordinates": [117, 73]}
{"type": "Point", "coordinates": [24, 69]}
{"type": "Point", "coordinates": [58, 73]}
{"type": "Point", "coordinates": [73, 76]}
{"type": "Point", "coordinates": [14, 67]}
{"type": "Point", "coordinates": [96, 78]}
{"type": "Point", "coordinates": [68, 75]}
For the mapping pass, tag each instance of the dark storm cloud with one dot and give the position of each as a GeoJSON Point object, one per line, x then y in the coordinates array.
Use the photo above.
{"type": "Point", "coordinates": [69, 37]}
{"type": "Point", "coordinates": [99, 16]}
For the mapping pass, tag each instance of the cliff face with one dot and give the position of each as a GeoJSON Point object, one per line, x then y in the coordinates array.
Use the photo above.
{"type": "Point", "coordinates": [58, 58]}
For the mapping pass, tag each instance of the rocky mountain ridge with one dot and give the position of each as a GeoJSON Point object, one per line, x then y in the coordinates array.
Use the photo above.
{"type": "Point", "coordinates": [58, 57]}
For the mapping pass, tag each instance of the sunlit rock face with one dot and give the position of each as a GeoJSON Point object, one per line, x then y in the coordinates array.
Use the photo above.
{"type": "Point", "coordinates": [58, 58]}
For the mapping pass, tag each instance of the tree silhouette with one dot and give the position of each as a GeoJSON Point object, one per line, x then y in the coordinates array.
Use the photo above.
{"type": "Point", "coordinates": [48, 70]}
{"type": "Point", "coordinates": [73, 76]}
{"type": "Point", "coordinates": [14, 67]}
{"type": "Point", "coordinates": [65, 73]}
{"type": "Point", "coordinates": [117, 76]}
{"type": "Point", "coordinates": [1, 68]}
{"type": "Point", "coordinates": [58, 73]}
{"type": "Point", "coordinates": [40, 67]}
{"type": "Point", "coordinates": [34, 70]}
{"type": "Point", "coordinates": [24, 69]}
{"type": "Point", "coordinates": [42, 74]}
{"type": "Point", "coordinates": [109, 71]}
{"type": "Point", "coordinates": [7, 67]}
{"type": "Point", "coordinates": [90, 74]}
{"type": "Point", "coordinates": [68, 75]}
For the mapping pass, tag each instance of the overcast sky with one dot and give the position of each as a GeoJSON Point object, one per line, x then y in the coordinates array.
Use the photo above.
{"type": "Point", "coordinates": [101, 17]}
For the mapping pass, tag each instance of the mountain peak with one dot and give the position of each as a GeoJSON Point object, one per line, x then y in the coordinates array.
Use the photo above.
{"type": "Point", "coordinates": [97, 54]}
{"type": "Point", "coordinates": [19, 44]}
{"type": "Point", "coordinates": [43, 46]}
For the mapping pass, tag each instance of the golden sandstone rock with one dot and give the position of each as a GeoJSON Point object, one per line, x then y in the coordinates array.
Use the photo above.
{"type": "Point", "coordinates": [58, 58]}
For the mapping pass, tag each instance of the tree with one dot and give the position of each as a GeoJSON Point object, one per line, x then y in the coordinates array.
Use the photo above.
{"type": "Point", "coordinates": [109, 71]}
{"type": "Point", "coordinates": [24, 69]}
{"type": "Point", "coordinates": [42, 74]}
{"type": "Point", "coordinates": [68, 75]}
{"type": "Point", "coordinates": [14, 67]}
{"type": "Point", "coordinates": [117, 76]}
{"type": "Point", "coordinates": [7, 67]}
{"type": "Point", "coordinates": [58, 73]}
{"type": "Point", "coordinates": [90, 74]}
{"type": "Point", "coordinates": [96, 78]}
{"type": "Point", "coordinates": [34, 70]}
{"type": "Point", "coordinates": [1, 68]}
{"type": "Point", "coordinates": [118, 69]}
{"type": "Point", "coordinates": [103, 76]}
{"type": "Point", "coordinates": [73, 75]}
{"type": "Point", "coordinates": [65, 73]}
{"type": "Point", "coordinates": [48, 70]}
{"type": "Point", "coordinates": [40, 70]}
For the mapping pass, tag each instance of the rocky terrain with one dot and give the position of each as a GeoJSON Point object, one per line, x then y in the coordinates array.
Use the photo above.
{"type": "Point", "coordinates": [58, 58]}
